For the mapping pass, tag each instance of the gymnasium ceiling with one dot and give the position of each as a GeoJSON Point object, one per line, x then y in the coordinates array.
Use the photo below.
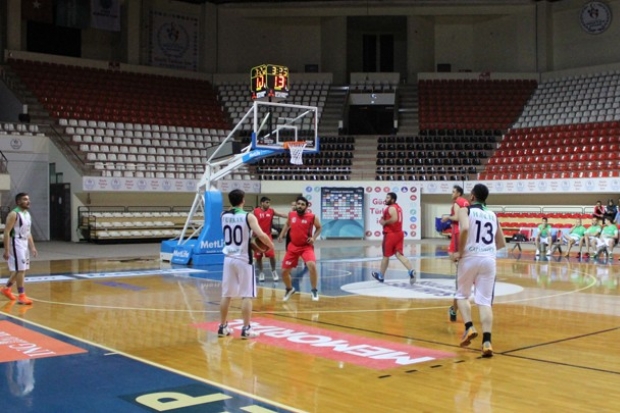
{"type": "Point", "coordinates": [381, 2]}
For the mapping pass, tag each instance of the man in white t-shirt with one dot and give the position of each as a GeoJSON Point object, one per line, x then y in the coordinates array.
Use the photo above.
{"type": "Point", "coordinates": [480, 238]}
{"type": "Point", "coordinates": [238, 276]}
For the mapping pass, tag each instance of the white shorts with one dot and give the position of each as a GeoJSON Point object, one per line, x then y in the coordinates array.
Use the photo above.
{"type": "Point", "coordinates": [574, 237]}
{"type": "Point", "coordinates": [479, 272]}
{"type": "Point", "coordinates": [604, 242]}
{"type": "Point", "coordinates": [544, 240]}
{"type": "Point", "coordinates": [238, 279]}
{"type": "Point", "coordinates": [19, 255]}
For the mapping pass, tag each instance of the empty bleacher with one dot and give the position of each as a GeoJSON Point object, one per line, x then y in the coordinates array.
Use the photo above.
{"type": "Point", "coordinates": [10, 128]}
{"type": "Point", "coordinates": [561, 151]}
{"type": "Point", "coordinates": [472, 104]}
{"type": "Point", "coordinates": [137, 150]}
{"type": "Point", "coordinates": [100, 224]}
{"type": "Point", "coordinates": [574, 100]}
{"type": "Point", "coordinates": [74, 92]}
{"type": "Point", "coordinates": [235, 97]}
{"type": "Point", "coordinates": [569, 129]}
{"type": "Point", "coordinates": [460, 122]}
{"type": "Point", "coordinates": [125, 124]}
{"type": "Point", "coordinates": [332, 163]}
{"type": "Point", "coordinates": [435, 155]}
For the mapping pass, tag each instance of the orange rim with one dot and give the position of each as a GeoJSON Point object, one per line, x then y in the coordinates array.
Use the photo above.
{"type": "Point", "coordinates": [293, 143]}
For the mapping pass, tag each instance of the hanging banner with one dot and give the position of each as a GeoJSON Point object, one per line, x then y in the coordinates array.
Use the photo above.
{"type": "Point", "coordinates": [73, 13]}
{"type": "Point", "coordinates": [105, 15]}
{"type": "Point", "coordinates": [38, 11]}
{"type": "Point", "coordinates": [173, 41]}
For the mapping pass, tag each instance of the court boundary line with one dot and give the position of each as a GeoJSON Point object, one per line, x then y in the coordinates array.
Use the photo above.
{"type": "Point", "coordinates": [159, 366]}
{"type": "Point", "coordinates": [558, 363]}
{"type": "Point", "coordinates": [594, 333]}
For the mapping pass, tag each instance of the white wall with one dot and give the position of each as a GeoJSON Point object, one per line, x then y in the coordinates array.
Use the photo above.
{"type": "Point", "coordinates": [496, 38]}
{"type": "Point", "coordinates": [421, 48]}
{"type": "Point", "coordinates": [247, 42]}
{"type": "Point", "coordinates": [234, 37]}
{"type": "Point", "coordinates": [505, 44]}
{"type": "Point", "coordinates": [573, 47]}
{"type": "Point", "coordinates": [333, 46]}
{"type": "Point", "coordinates": [454, 44]}
{"type": "Point", "coordinates": [28, 168]}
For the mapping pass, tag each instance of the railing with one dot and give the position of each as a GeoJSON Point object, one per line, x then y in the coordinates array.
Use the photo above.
{"type": "Point", "coordinates": [550, 209]}
{"type": "Point", "coordinates": [4, 165]}
{"type": "Point", "coordinates": [63, 143]}
{"type": "Point", "coordinates": [5, 78]}
{"type": "Point", "coordinates": [344, 114]}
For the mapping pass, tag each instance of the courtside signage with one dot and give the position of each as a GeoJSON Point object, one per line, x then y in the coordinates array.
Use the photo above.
{"type": "Point", "coordinates": [173, 271]}
{"type": "Point", "coordinates": [334, 345]}
{"type": "Point", "coordinates": [43, 278]}
{"type": "Point", "coordinates": [19, 343]}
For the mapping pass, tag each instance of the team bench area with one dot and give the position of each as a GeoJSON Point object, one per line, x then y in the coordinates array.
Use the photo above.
{"type": "Point", "coordinates": [522, 226]}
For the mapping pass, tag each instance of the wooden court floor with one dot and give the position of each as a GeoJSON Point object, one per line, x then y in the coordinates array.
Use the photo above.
{"type": "Point", "coordinates": [365, 346]}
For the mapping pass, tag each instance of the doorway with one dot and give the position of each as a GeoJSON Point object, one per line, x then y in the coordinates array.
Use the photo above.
{"type": "Point", "coordinates": [377, 44]}
{"type": "Point", "coordinates": [60, 206]}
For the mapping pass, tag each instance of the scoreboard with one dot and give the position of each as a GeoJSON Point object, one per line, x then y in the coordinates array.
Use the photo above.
{"type": "Point", "coordinates": [269, 82]}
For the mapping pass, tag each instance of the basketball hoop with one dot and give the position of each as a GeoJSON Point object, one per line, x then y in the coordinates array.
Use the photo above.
{"type": "Point", "coordinates": [296, 148]}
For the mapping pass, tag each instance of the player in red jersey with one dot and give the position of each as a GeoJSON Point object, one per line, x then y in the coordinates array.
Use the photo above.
{"type": "Point", "coordinates": [393, 238]}
{"type": "Point", "coordinates": [304, 228]}
{"type": "Point", "coordinates": [264, 213]}
{"type": "Point", "coordinates": [458, 202]}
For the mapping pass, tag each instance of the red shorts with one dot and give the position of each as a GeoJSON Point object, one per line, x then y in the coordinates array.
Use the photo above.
{"type": "Point", "coordinates": [269, 254]}
{"type": "Point", "coordinates": [454, 241]}
{"type": "Point", "coordinates": [293, 253]}
{"type": "Point", "coordinates": [393, 243]}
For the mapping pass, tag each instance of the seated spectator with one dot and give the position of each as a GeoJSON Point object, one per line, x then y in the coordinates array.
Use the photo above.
{"type": "Point", "coordinates": [611, 210]}
{"type": "Point", "coordinates": [590, 237]}
{"type": "Point", "coordinates": [607, 239]}
{"type": "Point", "coordinates": [617, 217]}
{"type": "Point", "coordinates": [599, 211]}
{"type": "Point", "coordinates": [544, 236]}
{"type": "Point", "coordinates": [574, 236]}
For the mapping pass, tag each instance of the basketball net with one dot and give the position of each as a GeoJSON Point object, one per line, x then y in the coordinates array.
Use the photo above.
{"type": "Point", "coordinates": [296, 148]}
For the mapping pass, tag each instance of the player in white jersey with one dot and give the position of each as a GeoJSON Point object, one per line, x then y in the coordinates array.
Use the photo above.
{"type": "Point", "coordinates": [480, 238]}
{"type": "Point", "coordinates": [238, 276]}
{"type": "Point", "coordinates": [18, 244]}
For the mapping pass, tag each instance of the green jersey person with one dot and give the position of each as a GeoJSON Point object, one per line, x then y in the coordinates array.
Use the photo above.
{"type": "Point", "coordinates": [608, 238]}
{"type": "Point", "coordinates": [544, 236]}
{"type": "Point", "coordinates": [575, 235]}
{"type": "Point", "coordinates": [591, 236]}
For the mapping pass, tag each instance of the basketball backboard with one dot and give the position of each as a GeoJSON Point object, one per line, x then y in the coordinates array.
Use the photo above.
{"type": "Point", "coordinates": [277, 123]}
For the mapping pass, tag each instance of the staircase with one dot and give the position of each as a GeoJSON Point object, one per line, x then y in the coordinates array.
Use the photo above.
{"type": "Point", "coordinates": [364, 158]}
{"type": "Point", "coordinates": [333, 110]}
{"type": "Point", "coordinates": [408, 121]}
{"type": "Point", "coordinates": [365, 152]}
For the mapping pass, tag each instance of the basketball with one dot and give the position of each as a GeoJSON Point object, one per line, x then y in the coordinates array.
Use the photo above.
{"type": "Point", "coordinates": [258, 245]}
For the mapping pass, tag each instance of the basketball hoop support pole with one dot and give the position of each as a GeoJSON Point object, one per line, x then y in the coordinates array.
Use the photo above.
{"type": "Point", "coordinates": [206, 249]}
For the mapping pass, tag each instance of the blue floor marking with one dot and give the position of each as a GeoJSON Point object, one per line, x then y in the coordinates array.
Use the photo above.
{"type": "Point", "coordinates": [98, 383]}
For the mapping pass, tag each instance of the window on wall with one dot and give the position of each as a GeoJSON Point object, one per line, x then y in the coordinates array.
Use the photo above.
{"type": "Point", "coordinates": [50, 39]}
{"type": "Point", "coordinates": [378, 53]}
